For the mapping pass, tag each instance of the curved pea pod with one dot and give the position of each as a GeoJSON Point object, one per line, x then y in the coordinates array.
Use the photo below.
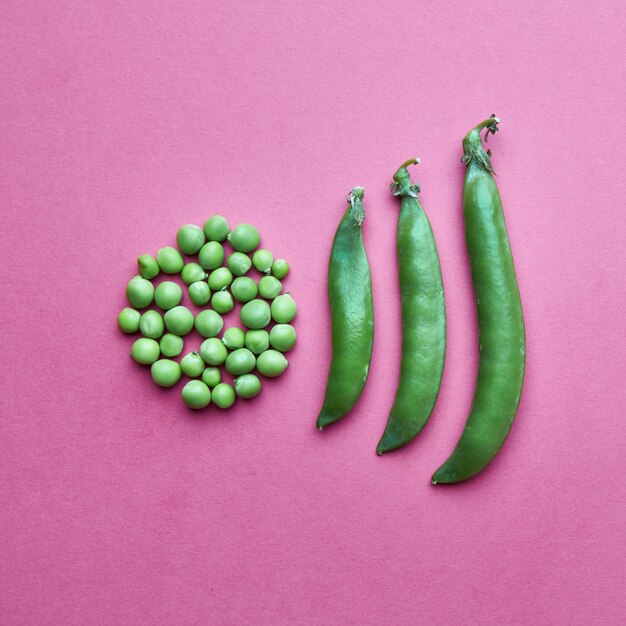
{"type": "Point", "coordinates": [352, 315]}
{"type": "Point", "coordinates": [502, 342]}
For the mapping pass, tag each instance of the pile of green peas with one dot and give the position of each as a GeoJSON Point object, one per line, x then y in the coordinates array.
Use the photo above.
{"type": "Point", "coordinates": [215, 281]}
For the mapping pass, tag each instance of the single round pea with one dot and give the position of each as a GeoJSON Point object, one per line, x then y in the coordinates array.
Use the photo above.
{"type": "Point", "coordinates": [284, 309]}
{"type": "Point", "coordinates": [213, 351]}
{"type": "Point", "coordinates": [148, 267]}
{"type": "Point", "coordinates": [167, 295]}
{"type": "Point", "coordinates": [209, 323]}
{"type": "Point", "coordinates": [211, 255]}
{"type": "Point", "coordinates": [216, 228]}
{"type": "Point", "coordinates": [140, 292]}
{"type": "Point", "coordinates": [240, 361]}
{"type": "Point", "coordinates": [171, 345]}
{"type": "Point", "coordinates": [239, 263]}
{"type": "Point", "coordinates": [247, 386]}
{"type": "Point", "coordinates": [220, 278]}
{"type": "Point", "coordinates": [271, 363]}
{"type": "Point", "coordinates": [196, 395]}
{"type": "Point", "coordinates": [211, 376]}
{"type": "Point", "coordinates": [179, 320]}
{"type": "Point", "coordinates": [145, 351]}
{"type": "Point", "coordinates": [199, 293]}
{"type": "Point", "coordinates": [257, 341]}
{"type": "Point", "coordinates": [190, 238]}
{"type": "Point", "coordinates": [192, 364]}
{"type": "Point", "coordinates": [255, 314]}
{"type": "Point", "coordinates": [283, 337]}
{"type": "Point", "coordinates": [234, 338]}
{"type": "Point", "coordinates": [128, 320]}
{"type": "Point", "coordinates": [269, 287]}
{"type": "Point", "coordinates": [192, 273]}
{"type": "Point", "coordinates": [244, 289]}
{"type": "Point", "coordinates": [223, 396]}
{"type": "Point", "coordinates": [280, 268]}
{"type": "Point", "coordinates": [222, 301]}
{"type": "Point", "coordinates": [151, 324]}
{"type": "Point", "coordinates": [263, 260]}
{"type": "Point", "coordinates": [244, 238]}
{"type": "Point", "coordinates": [165, 373]}
{"type": "Point", "coordinates": [169, 260]}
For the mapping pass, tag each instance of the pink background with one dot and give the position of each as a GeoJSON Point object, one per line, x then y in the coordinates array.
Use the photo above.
{"type": "Point", "coordinates": [120, 122]}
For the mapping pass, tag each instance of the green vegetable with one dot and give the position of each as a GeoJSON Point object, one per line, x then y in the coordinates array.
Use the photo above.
{"type": "Point", "coordinates": [284, 308]}
{"type": "Point", "coordinates": [145, 351]}
{"type": "Point", "coordinates": [255, 314]}
{"type": "Point", "coordinates": [192, 364]}
{"type": "Point", "coordinates": [352, 315]}
{"type": "Point", "coordinates": [213, 351]}
{"type": "Point", "coordinates": [220, 278]}
{"type": "Point", "coordinates": [171, 345]}
{"type": "Point", "coordinates": [262, 260]}
{"type": "Point", "coordinates": [128, 320]}
{"type": "Point", "coordinates": [209, 323]}
{"type": "Point", "coordinates": [151, 325]}
{"type": "Point", "coordinates": [234, 338]}
{"type": "Point", "coordinates": [148, 267]}
{"type": "Point", "coordinates": [223, 396]}
{"type": "Point", "coordinates": [192, 273]}
{"type": "Point", "coordinates": [269, 287]}
{"type": "Point", "coordinates": [165, 373]}
{"type": "Point", "coordinates": [257, 341]}
{"type": "Point", "coordinates": [211, 376]}
{"type": "Point", "coordinates": [502, 344]}
{"type": "Point", "coordinates": [196, 395]}
{"type": "Point", "coordinates": [280, 268]}
{"type": "Point", "coordinates": [216, 228]}
{"type": "Point", "coordinates": [211, 255]}
{"type": "Point", "coordinates": [240, 361]}
{"type": "Point", "coordinates": [271, 363]}
{"type": "Point", "coordinates": [190, 238]}
{"type": "Point", "coordinates": [423, 318]}
{"type": "Point", "coordinates": [179, 320]}
{"type": "Point", "coordinates": [244, 289]}
{"type": "Point", "coordinates": [283, 337]}
{"type": "Point", "coordinates": [222, 302]}
{"type": "Point", "coordinates": [169, 260]}
{"type": "Point", "coordinates": [247, 386]}
{"type": "Point", "coordinates": [199, 293]}
{"type": "Point", "coordinates": [140, 292]}
{"type": "Point", "coordinates": [244, 238]}
{"type": "Point", "coordinates": [167, 295]}
{"type": "Point", "coordinates": [239, 263]}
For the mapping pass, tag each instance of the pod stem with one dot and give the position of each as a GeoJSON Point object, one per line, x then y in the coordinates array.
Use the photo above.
{"type": "Point", "coordinates": [355, 199]}
{"type": "Point", "coordinates": [401, 185]}
{"type": "Point", "coordinates": [473, 145]}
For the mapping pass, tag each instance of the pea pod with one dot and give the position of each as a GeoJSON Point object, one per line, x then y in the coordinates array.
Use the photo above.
{"type": "Point", "coordinates": [502, 344]}
{"type": "Point", "coordinates": [423, 318]}
{"type": "Point", "coordinates": [352, 315]}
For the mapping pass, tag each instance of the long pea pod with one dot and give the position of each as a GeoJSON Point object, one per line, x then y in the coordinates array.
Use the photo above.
{"type": "Point", "coordinates": [423, 318]}
{"type": "Point", "coordinates": [352, 315]}
{"type": "Point", "coordinates": [502, 344]}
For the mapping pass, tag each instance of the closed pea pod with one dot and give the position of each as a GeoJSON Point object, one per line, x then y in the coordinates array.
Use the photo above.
{"type": "Point", "coordinates": [352, 315]}
{"type": "Point", "coordinates": [502, 344]}
{"type": "Point", "coordinates": [423, 318]}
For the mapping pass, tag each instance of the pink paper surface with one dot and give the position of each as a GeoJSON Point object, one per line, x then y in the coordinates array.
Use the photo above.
{"type": "Point", "coordinates": [122, 121]}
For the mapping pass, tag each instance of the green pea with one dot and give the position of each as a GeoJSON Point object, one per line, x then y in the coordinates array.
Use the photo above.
{"type": "Point", "coordinates": [179, 320]}
{"type": "Point", "coordinates": [255, 314]}
{"type": "Point", "coordinates": [140, 292]}
{"type": "Point", "coordinates": [209, 323]}
{"type": "Point", "coordinates": [280, 268]}
{"type": "Point", "coordinates": [192, 364]}
{"type": "Point", "coordinates": [234, 338]}
{"type": "Point", "coordinates": [165, 373]}
{"type": "Point", "coordinates": [190, 238]}
{"type": "Point", "coordinates": [199, 293]}
{"type": "Point", "coordinates": [211, 376]}
{"type": "Point", "coordinates": [151, 324]}
{"type": "Point", "coordinates": [196, 395]}
{"type": "Point", "coordinates": [171, 345]}
{"type": "Point", "coordinates": [271, 363]}
{"type": "Point", "coordinates": [284, 309]}
{"type": "Point", "coordinates": [169, 260]}
{"type": "Point", "coordinates": [283, 337]}
{"type": "Point", "coordinates": [192, 273]}
{"type": "Point", "coordinates": [213, 351]}
{"type": "Point", "coordinates": [145, 351]}
{"type": "Point", "coordinates": [247, 386]}
{"type": "Point", "coordinates": [257, 341]}
{"type": "Point", "coordinates": [244, 238]}
{"type": "Point", "coordinates": [216, 228]}
{"type": "Point", "coordinates": [269, 287]}
{"type": "Point", "coordinates": [223, 396]}
{"type": "Point", "coordinates": [220, 278]}
{"type": "Point", "coordinates": [244, 289]}
{"type": "Point", "coordinates": [222, 302]}
{"type": "Point", "coordinates": [128, 320]}
{"type": "Point", "coordinates": [148, 267]}
{"type": "Point", "coordinates": [211, 255]}
{"type": "Point", "coordinates": [167, 295]}
{"type": "Point", "coordinates": [262, 260]}
{"type": "Point", "coordinates": [240, 361]}
{"type": "Point", "coordinates": [239, 263]}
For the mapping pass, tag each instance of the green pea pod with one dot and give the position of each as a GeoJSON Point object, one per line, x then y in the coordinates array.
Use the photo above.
{"type": "Point", "coordinates": [352, 315]}
{"type": "Point", "coordinates": [502, 344]}
{"type": "Point", "coordinates": [423, 318]}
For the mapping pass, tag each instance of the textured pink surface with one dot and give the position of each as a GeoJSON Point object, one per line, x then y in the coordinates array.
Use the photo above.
{"type": "Point", "coordinates": [120, 122]}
